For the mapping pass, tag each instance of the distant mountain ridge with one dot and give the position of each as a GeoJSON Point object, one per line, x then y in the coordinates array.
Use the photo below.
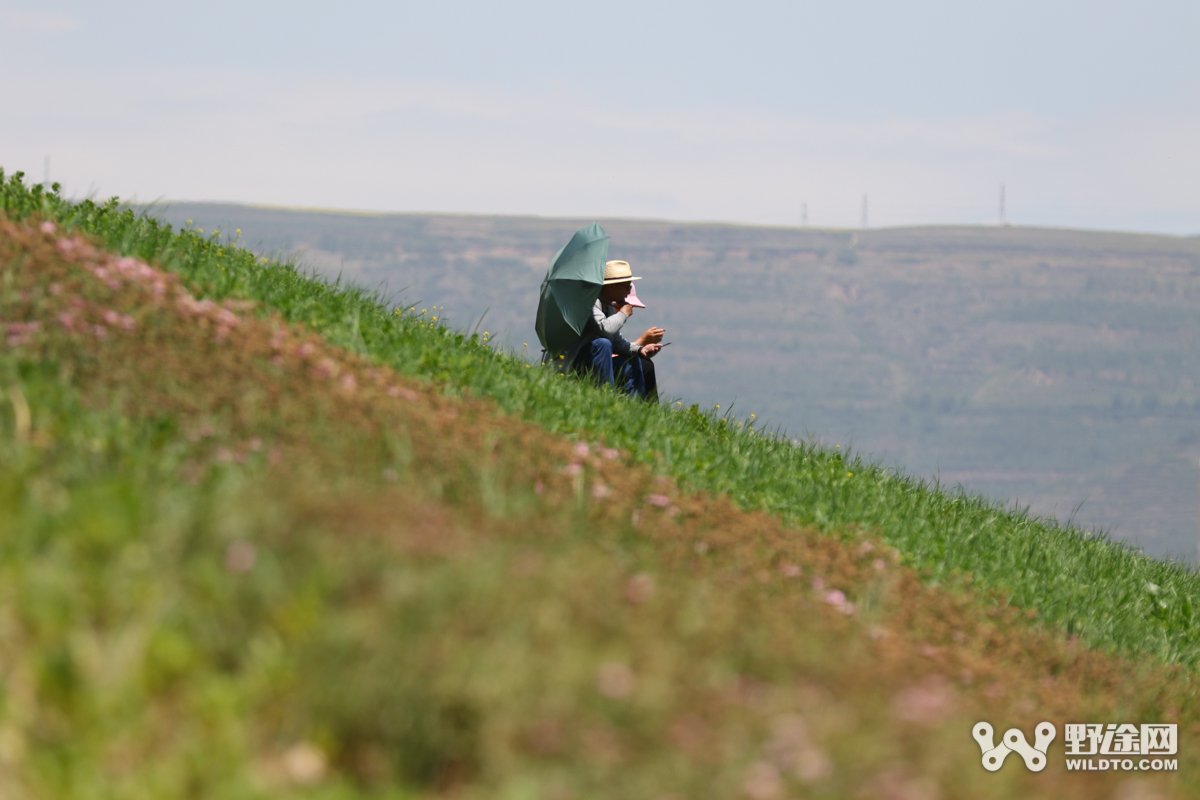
{"type": "Point", "coordinates": [1051, 366]}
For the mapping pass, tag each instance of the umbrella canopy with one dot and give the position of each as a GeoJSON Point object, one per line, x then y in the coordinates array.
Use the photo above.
{"type": "Point", "coordinates": [570, 289]}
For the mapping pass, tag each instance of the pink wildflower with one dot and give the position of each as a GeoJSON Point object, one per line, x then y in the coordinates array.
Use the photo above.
{"type": "Point", "coordinates": [640, 589]}
{"type": "Point", "coordinates": [581, 450]}
{"type": "Point", "coordinates": [837, 599]}
{"type": "Point", "coordinates": [326, 368]}
{"type": "Point", "coordinates": [763, 782]}
{"type": "Point", "coordinates": [189, 305]}
{"type": "Point", "coordinates": [611, 454]}
{"type": "Point", "coordinates": [573, 469]}
{"type": "Point", "coordinates": [614, 680]}
{"type": "Point", "coordinates": [925, 703]}
{"type": "Point", "coordinates": [47, 227]}
{"type": "Point", "coordinates": [19, 332]}
{"type": "Point", "coordinates": [24, 328]}
{"type": "Point", "coordinates": [240, 557]}
{"type": "Point", "coordinates": [659, 500]}
{"type": "Point", "coordinates": [397, 391]}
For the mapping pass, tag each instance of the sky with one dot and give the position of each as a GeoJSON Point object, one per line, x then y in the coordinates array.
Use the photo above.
{"type": "Point", "coordinates": [773, 113]}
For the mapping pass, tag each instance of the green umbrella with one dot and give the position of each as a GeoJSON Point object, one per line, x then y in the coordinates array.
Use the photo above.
{"type": "Point", "coordinates": [570, 289]}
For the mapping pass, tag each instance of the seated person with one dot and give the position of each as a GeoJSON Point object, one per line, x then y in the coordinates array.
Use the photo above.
{"type": "Point", "coordinates": [647, 363]}
{"type": "Point", "coordinates": [602, 339]}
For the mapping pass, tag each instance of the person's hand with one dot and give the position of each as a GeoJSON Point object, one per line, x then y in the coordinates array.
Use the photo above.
{"type": "Point", "coordinates": [624, 308]}
{"type": "Point", "coordinates": [648, 350]}
{"type": "Point", "coordinates": [651, 336]}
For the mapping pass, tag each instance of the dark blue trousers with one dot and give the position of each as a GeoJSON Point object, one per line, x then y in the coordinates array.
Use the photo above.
{"type": "Point", "coordinates": [623, 373]}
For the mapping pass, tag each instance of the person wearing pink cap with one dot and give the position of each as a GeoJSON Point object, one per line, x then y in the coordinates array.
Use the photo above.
{"type": "Point", "coordinates": [602, 339]}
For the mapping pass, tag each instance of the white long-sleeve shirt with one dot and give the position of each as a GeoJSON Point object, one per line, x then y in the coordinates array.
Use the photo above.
{"type": "Point", "coordinates": [606, 322]}
{"type": "Point", "coordinates": [610, 321]}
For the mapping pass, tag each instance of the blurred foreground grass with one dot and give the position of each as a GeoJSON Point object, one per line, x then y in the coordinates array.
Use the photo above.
{"type": "Point", "coordinates": [237, 562]}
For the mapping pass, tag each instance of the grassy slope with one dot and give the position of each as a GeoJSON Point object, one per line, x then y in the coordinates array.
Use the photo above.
{"type": "Point", "coordinates": [237, 562]}
{"type": "Point", "coordinates": [1106, 594]}
{"type": "Point", "coordinates": [977, 354]}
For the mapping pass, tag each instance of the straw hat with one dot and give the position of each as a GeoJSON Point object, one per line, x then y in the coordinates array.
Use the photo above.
{"type": "Point", "coordinates": [618, 272]}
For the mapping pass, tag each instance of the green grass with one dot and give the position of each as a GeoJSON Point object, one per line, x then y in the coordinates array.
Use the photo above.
{"type": "Point", "coordinates": [138, 664]}
{"type": "Point", "coordinates": [1105, 593]}
{"type": "Point", "coordinates": [213, 564]}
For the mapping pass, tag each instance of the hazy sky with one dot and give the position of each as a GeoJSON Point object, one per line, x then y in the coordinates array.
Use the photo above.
{"type": "Point", "coordinates": [1088, 112]}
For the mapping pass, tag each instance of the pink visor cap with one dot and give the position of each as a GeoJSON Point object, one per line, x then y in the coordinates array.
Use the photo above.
{"type": "Point", "coordinates": [632, 298]}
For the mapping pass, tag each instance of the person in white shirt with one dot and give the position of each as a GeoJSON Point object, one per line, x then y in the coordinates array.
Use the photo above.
{"type": "Point", "coordinates": [601, 339]}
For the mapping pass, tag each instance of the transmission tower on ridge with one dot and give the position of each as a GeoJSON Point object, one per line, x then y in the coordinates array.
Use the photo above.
{"type": "Point", "coordinates": [864, 212]}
